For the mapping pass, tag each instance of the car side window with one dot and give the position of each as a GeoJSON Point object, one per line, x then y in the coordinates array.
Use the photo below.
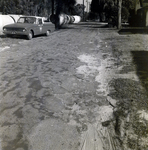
{"type": "Point", "coordinates": [40, 21]}
{"type": "Point", "coordinates": [26, 21]}
{"type": "Point", "coordinates": [37, 21]}
{"type": "Point", "coordinates": [21, 20]}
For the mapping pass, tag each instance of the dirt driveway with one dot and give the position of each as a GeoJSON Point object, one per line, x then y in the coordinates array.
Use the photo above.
{"type": "Point", "coordinates": [77, 89]}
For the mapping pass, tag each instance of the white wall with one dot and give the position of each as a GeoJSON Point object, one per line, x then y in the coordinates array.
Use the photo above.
{"type": "Point", "coordinates": [4, 20]}
{"type": "Point", "coordinates": [7, 19]}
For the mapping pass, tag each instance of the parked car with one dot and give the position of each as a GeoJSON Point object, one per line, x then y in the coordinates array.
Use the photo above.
{"type": "Point", "coordinates": [29, 26]}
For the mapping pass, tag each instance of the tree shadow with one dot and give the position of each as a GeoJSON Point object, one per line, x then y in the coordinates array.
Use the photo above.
{"type": "Point", "coordinates": [94, 24]}
{"type": "Point", "coordinates": [140, 59]}
{"type": "Point", "coordinates": [134, 30]}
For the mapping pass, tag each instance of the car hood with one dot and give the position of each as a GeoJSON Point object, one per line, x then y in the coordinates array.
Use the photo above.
{"type": "Point", "coordinates": [18, 25]}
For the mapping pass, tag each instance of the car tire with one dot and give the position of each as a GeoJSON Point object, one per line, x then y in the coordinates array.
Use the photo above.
{"type": "Point", "coordinates": [30, 35]}
{"type": "Point", "coordinates": [47, 32]}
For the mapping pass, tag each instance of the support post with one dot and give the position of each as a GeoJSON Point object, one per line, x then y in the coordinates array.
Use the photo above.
{"type": "Point", "coordinates": [83, 10]}
{"type": "Point", "coordinates": [87, 6]}
{"type": "Point", "coordinates": [119, 13]}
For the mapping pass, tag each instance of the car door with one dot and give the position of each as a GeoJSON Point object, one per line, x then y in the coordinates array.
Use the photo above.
{"type": "Point", "coordinates": [40, 26]}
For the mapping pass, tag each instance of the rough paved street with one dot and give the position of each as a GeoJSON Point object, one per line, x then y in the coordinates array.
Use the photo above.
{"type": "Point", "coordinates": [54, 91]}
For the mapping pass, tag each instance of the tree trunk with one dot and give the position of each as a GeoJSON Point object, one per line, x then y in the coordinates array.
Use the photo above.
{"type": "Point", "coordinates": [58, 11]}
{"type": "Point", "coordinates": [52, 3]}
{"type": "Point", "coordinates": [100, 16]}
{"type": "Point", "coordinates": [119, 13]}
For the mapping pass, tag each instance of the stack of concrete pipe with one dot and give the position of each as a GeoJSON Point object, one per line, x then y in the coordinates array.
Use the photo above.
{"type": "Point", "coordinates": [7, 19]}
{"type": "Point", "coordinates": [66, 19]}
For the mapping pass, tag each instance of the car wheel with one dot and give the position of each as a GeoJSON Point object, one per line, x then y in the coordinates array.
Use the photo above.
{"type": "Point", "coordinates": [30, 35]}
{"type": "Point", "coordinates": [47, 33]}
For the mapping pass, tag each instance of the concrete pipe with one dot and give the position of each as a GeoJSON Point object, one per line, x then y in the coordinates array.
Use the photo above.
{"type": "Point", "coordinates": [61, 19]}
{"type": "Point", "coordinates": [65, 19]}
{"type": "Point", "coordinates": [72, 19]}
{"type": "Point", "coordinates": [77, 19]}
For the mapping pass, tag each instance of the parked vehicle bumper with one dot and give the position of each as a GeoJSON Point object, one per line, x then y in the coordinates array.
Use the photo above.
{"type": "Point", "coordinates": [15, 32]}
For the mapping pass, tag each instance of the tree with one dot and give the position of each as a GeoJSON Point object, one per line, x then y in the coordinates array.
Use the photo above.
{"type": "Point", "coordinates": [78, 10]}
{"type": "Point", "coordinates": [65, 6]}
{"type": "Point", "coordinates": [112, 9]}
{"type": "Point", "coordinates": [111, 12]}
{"type": "Point", "coordinates": [97, 6]}
{"type": "Point", "coordinates": [36, 7]}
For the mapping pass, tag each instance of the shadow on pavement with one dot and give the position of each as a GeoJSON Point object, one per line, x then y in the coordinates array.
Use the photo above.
{"type": "Point", "coordinates": [94, 24]}
{"type": "Point", "coordinates": [91, 25]}
{"type": "Point", "coordinates": [2, 36]}
{"type": "Point", "coordinates": [19, 36]}
{"type": "Point", "coordinates": [140, 59]}
{"type": "Point", "coordinates": [13, 36]}
{"type": "Point", "coordinates": [134, 30]}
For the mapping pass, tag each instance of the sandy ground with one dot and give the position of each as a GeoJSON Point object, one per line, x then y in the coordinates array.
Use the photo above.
{"type": "Point", "coordinates": [77, 89]}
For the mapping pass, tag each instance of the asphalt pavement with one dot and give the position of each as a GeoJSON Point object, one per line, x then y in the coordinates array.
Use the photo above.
{"type": "Point", "coordinates": [55, 90]}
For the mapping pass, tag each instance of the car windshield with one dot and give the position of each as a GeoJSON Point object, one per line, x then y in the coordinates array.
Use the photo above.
{"type": "Point", "coordinates": [31, 20]}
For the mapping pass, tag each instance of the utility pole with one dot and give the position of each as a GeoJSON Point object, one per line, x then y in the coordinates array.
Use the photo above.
{"type": "Point", "coordinates": [119, 13]}
{"type": "Point", "coordinates": [83, 10]}
{"type": "Point", "coordinates": [87, 5]}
